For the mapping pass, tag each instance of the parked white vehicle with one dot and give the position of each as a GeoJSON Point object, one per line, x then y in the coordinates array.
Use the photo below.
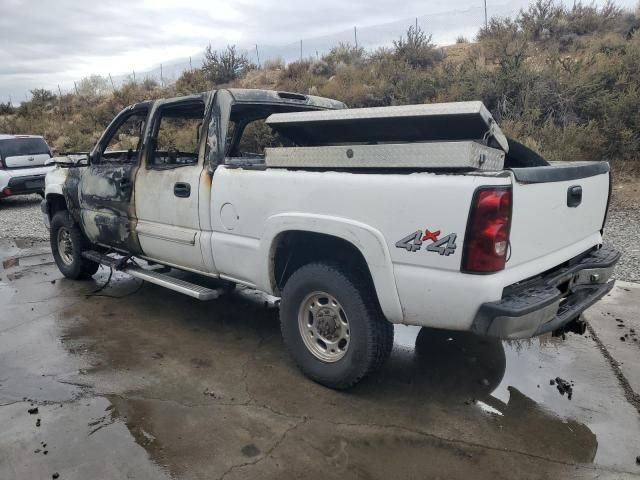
{"type": "Point", "coordinates": [23, 164]}
{"type": "Point", "coordinates": [358, 219]}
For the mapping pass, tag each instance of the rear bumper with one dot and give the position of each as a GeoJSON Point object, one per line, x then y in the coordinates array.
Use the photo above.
{"type": "Point", "coordinates": [20, 181]}
{"type": "Point", "coordinates": [552, 301]}
{"type": "Point", "coordinates": [23, 185]}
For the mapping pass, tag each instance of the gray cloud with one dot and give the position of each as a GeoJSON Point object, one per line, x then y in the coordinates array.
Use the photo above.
{"type": "Point", "coordinates": [45, 43]}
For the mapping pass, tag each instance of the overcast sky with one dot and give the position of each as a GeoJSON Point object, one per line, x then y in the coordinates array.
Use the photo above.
{"type": "Point", "coordinates": [44, 43]}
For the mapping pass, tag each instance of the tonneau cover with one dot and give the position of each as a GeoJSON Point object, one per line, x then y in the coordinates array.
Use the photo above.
{"type": "Point", "coordinates": [409, 123]}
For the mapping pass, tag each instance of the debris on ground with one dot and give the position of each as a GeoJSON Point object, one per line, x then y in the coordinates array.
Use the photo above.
{"type": "Point", "coordinates": [37, 422]}
{"type": "Point", "coordinates": [33, 411]}
{"type": "Point", "coordinates": [55, 475]}
{"type": "Point", "coordinates": [638, 460]}
{"type": "Point", "coordinates": [209, 393]}
{"type": "Point", "coordinates": [622, 339]}
{"type": "Point", "coordinates": [563, 387]}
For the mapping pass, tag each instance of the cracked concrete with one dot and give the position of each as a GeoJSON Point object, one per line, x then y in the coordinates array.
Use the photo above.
{"type": "Point", "coordinates": [158, 385]}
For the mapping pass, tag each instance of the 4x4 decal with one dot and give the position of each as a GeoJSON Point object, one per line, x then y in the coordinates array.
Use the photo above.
{"type": "Point", "coordinates": [413, 242]}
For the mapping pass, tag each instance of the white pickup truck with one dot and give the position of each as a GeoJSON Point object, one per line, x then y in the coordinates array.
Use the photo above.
{"type": "Point", "coordinates": [357, 219]}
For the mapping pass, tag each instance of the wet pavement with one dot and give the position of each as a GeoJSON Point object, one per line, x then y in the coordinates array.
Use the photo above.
{"type": "Point", "coordinates": [136, 381]}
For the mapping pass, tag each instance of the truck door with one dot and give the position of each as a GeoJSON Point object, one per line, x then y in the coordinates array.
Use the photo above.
{"type": "Point", "coordinates": [105, 187]}
{"type": "Point", "coordinates": [171, 182]}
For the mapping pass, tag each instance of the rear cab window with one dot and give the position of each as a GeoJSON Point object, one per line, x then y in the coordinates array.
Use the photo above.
{"type": "Point", "coordinates": [16, 147]}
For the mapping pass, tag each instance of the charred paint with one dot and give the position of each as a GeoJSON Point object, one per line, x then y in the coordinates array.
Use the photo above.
{"type": "Point", "coordinates": [105, 198]}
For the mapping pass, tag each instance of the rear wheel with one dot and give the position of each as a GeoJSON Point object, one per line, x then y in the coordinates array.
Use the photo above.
{"type": "Point", "coordinates": [67, 244]}
{"type": "Point", "coordinates": [332, 325]}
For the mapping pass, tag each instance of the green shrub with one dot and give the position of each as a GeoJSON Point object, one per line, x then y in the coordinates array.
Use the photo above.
{"type": "Point", "coordinates": [225, 65]}
{"type": "Point", "coordinates": [417, 49]}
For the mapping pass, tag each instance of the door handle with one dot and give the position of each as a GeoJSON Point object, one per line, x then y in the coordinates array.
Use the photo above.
{"type": "Point", "coordinates": [182, 190]}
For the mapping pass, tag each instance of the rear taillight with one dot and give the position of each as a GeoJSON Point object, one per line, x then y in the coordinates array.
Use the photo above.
{"type": "Point", "coordinates": [486, 242]}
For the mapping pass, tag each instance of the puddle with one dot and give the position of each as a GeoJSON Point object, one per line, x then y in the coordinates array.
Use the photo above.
{"type": "Point", "coordinates": [518, 374]}
{"type": "Point", "coordinates": [151, 359]}
{"type": "Point", "coordinates": [80, 440]}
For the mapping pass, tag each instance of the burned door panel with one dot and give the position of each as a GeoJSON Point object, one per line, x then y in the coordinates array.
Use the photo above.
{"type": "Point", "coordinates": [105, 201]}
{"type": "Point", "coordinates": [105, 187]}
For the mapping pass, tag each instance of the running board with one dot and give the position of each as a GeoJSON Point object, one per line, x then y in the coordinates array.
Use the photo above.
{"type": "Point", "coordinates": [155, 277]}
{"type": "Point", "coordinates": [176, 284]}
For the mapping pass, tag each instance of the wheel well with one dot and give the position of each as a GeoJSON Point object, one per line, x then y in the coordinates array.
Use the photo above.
{"type": "Point", "coordinates": [296, 248]}
{"type": "Point", "coordinates": [55, 203]}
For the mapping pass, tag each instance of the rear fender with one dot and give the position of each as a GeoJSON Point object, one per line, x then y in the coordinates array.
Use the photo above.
{"type": "Point", "coordinates": [369, 241]}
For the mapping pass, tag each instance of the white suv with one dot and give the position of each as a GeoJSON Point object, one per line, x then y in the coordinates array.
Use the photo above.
{"type": "Point", "coordinates": [22, 164]}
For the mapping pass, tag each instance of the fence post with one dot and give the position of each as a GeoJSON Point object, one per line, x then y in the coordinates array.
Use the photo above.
{"type": "Point", "coordinates": [486, 22]}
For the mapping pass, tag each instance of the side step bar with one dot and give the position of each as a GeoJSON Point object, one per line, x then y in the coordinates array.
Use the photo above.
{"type": "Point", "coordinates": [155, 277]}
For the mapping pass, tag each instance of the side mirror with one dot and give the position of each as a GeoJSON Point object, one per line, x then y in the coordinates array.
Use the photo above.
{"type": "Point", "coordinates": [83, 161]}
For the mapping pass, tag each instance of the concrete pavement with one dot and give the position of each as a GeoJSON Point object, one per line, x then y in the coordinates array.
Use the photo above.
{"type": "Point", "coordinates": [141, 382]}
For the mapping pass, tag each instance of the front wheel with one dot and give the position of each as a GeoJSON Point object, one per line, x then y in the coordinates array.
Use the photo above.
{"type": "Point", "coordinates": [332, 325]}
{"type": "Point", "coordinates": [67, 244]}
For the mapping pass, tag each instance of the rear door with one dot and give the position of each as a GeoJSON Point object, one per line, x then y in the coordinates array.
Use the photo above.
{"type": "Point", "coordinates": [557, 209]}
{"type": "Point", "coordinates": [171, 183]}
{"type": "Point", "coordinates": [105, 187]}
{"type": "Point", "coordinates": [24, 152]}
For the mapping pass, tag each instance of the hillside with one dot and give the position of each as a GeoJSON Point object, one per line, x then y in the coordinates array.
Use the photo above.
{"type": "Point", "coordinates": [562, 79]}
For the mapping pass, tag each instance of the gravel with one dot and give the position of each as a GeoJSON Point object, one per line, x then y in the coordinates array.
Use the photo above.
{"type": "Point", "coordinates": [622, 231]}
{"type": "Point", "coordinates": [21, 220]}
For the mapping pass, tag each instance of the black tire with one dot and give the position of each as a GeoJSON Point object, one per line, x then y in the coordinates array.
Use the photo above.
{"type": "Point", "coordinates": [371, 335]}
{"type": "Point", "coordinates": [71, 263]}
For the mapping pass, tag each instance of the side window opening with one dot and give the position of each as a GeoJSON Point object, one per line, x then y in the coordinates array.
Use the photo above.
{"type": "Point", "coordinates": [124, 144]}
{"type": "Point", "coordinates": [254, 137]}
{"type": "Point", "coordinates": [177, 137]}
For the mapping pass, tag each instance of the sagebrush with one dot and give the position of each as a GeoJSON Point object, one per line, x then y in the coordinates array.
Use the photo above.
{"type": "Point", "coordinates": [564, 80]}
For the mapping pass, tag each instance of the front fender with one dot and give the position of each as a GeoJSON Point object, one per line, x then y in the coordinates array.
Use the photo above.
{"type": "Point", "coordinates": [54, 181]}
{"type": "Point", "coordinates": [369, 241]}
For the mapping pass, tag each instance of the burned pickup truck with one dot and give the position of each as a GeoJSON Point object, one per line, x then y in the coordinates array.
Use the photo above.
{"type": "Point", "coordinates": [357, 219]}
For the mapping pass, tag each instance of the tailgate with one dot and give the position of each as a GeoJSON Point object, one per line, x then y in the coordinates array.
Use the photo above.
{"type": "Point", "coordinates": [557, 207]}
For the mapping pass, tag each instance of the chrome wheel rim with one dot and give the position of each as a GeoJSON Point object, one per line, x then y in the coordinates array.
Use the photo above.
{"type": "Point", "coordinates": [65, 246]}
{"type": "Point", "coordinates": [324, 327]}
